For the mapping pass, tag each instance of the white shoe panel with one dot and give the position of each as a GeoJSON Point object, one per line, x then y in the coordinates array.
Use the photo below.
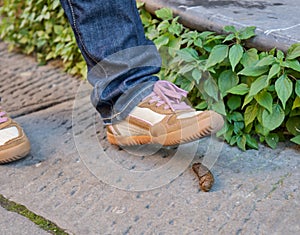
{"type": "Point", "coordinates": [8, 134]}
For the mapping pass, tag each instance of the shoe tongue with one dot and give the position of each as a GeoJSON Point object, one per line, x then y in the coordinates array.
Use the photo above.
{"type": "Point", "coordinates": [3, 117]}
{"type": "Point", "coordinates": [169, 96]}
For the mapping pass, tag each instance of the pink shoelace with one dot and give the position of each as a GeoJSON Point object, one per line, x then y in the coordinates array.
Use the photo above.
{"type": "Point", "coordinates": [167, 94]}
{"type": "Point", "coordinates": [2, 118]}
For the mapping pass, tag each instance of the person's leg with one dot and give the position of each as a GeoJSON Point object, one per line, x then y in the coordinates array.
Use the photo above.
{"type": "Point", "coordinates": [14, 144]}
{"type": "Point", "coordinates": [135, 106]}
{"type": "Point", "coordinates": [111, 38]}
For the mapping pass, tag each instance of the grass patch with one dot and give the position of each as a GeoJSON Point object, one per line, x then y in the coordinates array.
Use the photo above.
{"type": "Point", "coordinates": [43, 223]}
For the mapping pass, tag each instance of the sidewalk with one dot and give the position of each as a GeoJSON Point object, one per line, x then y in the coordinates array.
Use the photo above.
{"type": "Point", "coordinates": [256, 192]}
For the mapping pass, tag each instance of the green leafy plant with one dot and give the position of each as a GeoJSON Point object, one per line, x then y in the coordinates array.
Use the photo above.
{"type": "Point", "coordinates": [40, 27]}
{"type": "Point", "coordinates": [257, 92]}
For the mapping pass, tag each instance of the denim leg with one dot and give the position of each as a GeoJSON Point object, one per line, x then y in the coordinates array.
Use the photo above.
{"type": "Point", "coordinates": [121, 61]}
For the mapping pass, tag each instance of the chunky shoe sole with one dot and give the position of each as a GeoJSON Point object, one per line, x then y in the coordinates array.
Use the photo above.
{"type": "Point", "coordinates": [177, 137]}
{"type": "Point", "coordinates": [15, 153]}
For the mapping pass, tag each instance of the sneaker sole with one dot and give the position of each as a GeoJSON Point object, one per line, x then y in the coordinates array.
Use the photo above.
{"type": "Point", "coordinates": [15, 153]}
{"type": "Point", "coordinates": [173, 138]}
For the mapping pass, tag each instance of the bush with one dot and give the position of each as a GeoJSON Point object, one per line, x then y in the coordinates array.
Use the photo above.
{"type": "Point", "coordinates": [41, 27]}
{"type": "Point", "coordinates": [257, 92]}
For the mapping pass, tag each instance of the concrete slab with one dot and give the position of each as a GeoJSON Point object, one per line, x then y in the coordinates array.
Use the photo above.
{"type": "Point", "coordinates": [256, 192]}
{"type": "Point", "coordinates": [15, 224]}
{"type": "Point", "coordinates": [277, 22]}
{"type": "Point", "coordinates": [26, 87]}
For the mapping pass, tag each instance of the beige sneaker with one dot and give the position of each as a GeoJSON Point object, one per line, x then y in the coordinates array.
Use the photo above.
{"type": "Point", "coordinates": [13, 141]}
{"type": "Point", "coordinates": [163, 118]}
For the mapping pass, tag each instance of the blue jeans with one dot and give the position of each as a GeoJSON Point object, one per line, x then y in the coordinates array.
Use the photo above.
{"type": "Point", "coordinates": [121, 61]}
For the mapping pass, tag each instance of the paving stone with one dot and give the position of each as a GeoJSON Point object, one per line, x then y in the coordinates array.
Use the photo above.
{"type": "Point", "coordinates": [256, 192]}
{"type": "Point", "coordinates": [15, 224]}
{"type": "Point", "coordinates": [277, 22]}
{"type": "Point", "coordinates": [26, 87]}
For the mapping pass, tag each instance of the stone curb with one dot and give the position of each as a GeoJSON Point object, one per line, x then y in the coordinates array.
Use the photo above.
{"type": "Point", "coordinates": [207, 20]}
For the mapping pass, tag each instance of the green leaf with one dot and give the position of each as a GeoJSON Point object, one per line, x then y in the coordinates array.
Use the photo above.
{"type": "Point", "coordinates": [219, 107]}
{"type": "Point", "coordinates": [204, 35]}
{"type": "Point", "coordinates": [247, 100]}
{"type": "Point", "coordinates": [201, 106]}
{"type": "Point", "coordinates": [275, 69]}
{"type": "Point", "coordinates": [280, 55]}
{"type": "Point", "coordinates": [56, 3]}
{"type": "Point", "coordinates": [240, 89]}
{"type": "Point", "coordinates": [250, 114]}
{"type": "Point", "coordinates": [217, 55]}
{"type": "Point", "coordinates": [228, 134]}
{"type": "Point", "coordinates": [152, 33]}
{"type": "Point", "coordinates": [254, 71]}
{"type": "Point", "coordinates": [196, 74]}
{"type": "Point", "coordinates": [174, 43]}
{"type": "Point", "coordinates": [260, 114]}
{"type": "Point", "coordinates": [230, 29]}
{"type": "Point", "coordinates": [272, 140]}
{"type": "Point", "coordinates": [251, 142]}
{"type": "Point", "coordinates": [234, 102]}
{"type": "Point", "coordinates": [161, 41]}
{"type": "Point", "coordinates": [58, 29]}
{"type": "Point", "coordinates": [272, 51]}
{"type": "Point", "coordinates": [233, 140]}
{"type": "Point", "coordinates": [187, 85]}
{"type": "Point", "coordinates": [296, 139]}
{"type": "Point", "coordinates": [235, 55]}
{"type": "Point", "coordinates": [296, 103]}
{"type": "Point", "coordinates": [229, 37]}
{"type": "Point", "coordinates": [249, 58]}
{"type": "Point", "coordinates": [235, 117]}
{"type": "Point", "coordinates": [241, 142]}
{"type": "Point", "coordinates": [293, 64]}
{"type": "Point", "coordinates": [284, 89]}
{"type": "Point", "coordinates": [238, 127]}
{"type": "Point", "coordinates": [198, 42]}
{"type": "Point", "coordinates": [227, 80]}
{"type": "Point", "coordinates": [259, 84]}
{"type": "Point", "coordinates": [175, 28]}
{"type": "Point", "coordinates": [186, 68]}
{"type": "Point", "coordinates": [163, 26]}
{"type": "Point", "coordinates": [261, 130]}
{"type": "Point", "coordinates": [265, 99]}
{"type": "Point", "coordinates": [293, 51]}
{"type": "Point", "coordinates": [247, 33]}
{"type": "Point", "coordinates": [293, 125]}
{"type": "Point", "coordinates": [297, 88]}
{"type": "Point", "coordinates": [188, 54]}
{"type": "Point", "coordinates": [223, 131]}
{"type": "Point", "coordinates": [274, 119]}
{"type": "Point", "coordinates": [266, 61]}
{"type": "Point", "coordinates": [249, 128]}
{"type": "Point", "coordinates": [164, 14]}
{"type": "Point", "coordinates": [211, 88]}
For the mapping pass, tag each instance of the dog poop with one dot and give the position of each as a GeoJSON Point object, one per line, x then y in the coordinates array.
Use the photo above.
{"type": "Point", "coordinates": [206, 178]}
